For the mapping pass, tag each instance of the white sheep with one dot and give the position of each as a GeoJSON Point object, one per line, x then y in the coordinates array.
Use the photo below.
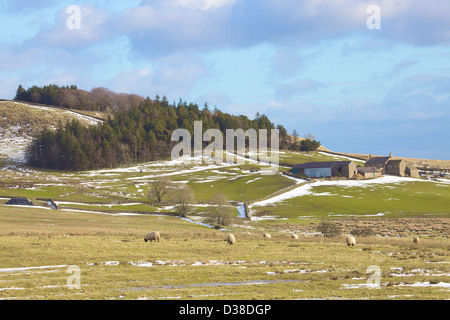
{"type": "Point", "coordinates": [152, 236]}
{"type": "Point", "coordinates": [231, 239]}
{"type": "Point", "coordinates": [267, 235]}
{"type": "Point", "coordinates": [294, 236]}
{"type": "Point", "coordinates": [351, 241]}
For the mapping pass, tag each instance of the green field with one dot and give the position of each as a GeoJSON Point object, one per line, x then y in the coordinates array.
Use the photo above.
{"type": "Point", "coordinates": [402, 199]}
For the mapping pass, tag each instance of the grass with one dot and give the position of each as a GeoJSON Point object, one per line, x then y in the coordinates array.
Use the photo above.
{"type": "Point", "coordinates": [414, 198]}
{"type": "Point", "coordinates": [241, 188]}
{"type": "Point", "coordinates": [236, 182]}
{"type": "Point", "coordinates": [193, 262]}
{"type": "Point", "coordinates": [292, 158]}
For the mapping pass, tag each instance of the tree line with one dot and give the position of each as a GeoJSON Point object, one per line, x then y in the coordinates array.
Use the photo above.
{"type": "Point", "coordinates": [137, 131]}
{"type": "Point", "coordinates": [70, 97]}
{"type": "Point", "coordinates": [141, 133]}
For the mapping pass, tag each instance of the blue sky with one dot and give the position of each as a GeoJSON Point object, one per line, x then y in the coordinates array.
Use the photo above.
{"type": "Point", "coordinates": [310, 65]}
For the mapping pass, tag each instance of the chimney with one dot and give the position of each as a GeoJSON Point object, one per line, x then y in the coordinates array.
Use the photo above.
{"type": "Point", "coordinates": [370, 156]}
{"type": "Point", "coordinates": [391, 155]}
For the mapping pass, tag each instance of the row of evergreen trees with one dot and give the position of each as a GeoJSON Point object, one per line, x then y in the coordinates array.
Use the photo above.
{"type": "Point", "coordinates": [141, 133]}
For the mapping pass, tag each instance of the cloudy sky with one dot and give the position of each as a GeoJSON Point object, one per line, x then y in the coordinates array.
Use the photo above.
{"type": "Point", "coordinates": [360, 82]}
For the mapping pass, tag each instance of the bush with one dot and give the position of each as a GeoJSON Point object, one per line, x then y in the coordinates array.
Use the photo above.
{"type": "Point", "coordinates": [363, 232]}
{"type": "Point", "coordinates": [329, 229]}
{"type": "Point", "coordinates": [222, 213]}
{"type": "Point", "coordinates": [309, 145]}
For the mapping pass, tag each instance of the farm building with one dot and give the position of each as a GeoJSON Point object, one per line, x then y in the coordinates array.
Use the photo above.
{"type": "Point", "coordinates": [391, 166]}
{"type": "Point", "coordinates": [412, 171]}
{"type": "Point", "coordinates": [396, 167]}
{"type": "Point", "coordinates": [326, 169]}
{"type": "Point", "coordinates": [369, 172]}
{"type": "Point", "coordinates": [378, 163]}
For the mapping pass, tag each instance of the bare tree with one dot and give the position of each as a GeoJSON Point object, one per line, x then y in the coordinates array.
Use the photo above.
{"type": "Point", "coordinates": [183, 199]}
{"type": "Point", "coordinates": [103, 99]}
{"type": "Point", "coordinates": [309, 136]}
{"type": "Point", "coordinates": [222, 212]}
{"type": "Point", "coordinates": [159, 189]}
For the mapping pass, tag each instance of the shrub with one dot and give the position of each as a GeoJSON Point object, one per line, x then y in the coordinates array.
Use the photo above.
{"type": "Point", "coordinates": [363, 232]}
{"type": "Point", "coordinates": [222, 213]}
{"type": "Point", "coordinates": [329, 229]}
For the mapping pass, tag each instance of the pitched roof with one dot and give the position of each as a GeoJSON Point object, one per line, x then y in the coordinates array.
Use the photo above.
{"type": "Point", "coordinates": [395, 161]}
{"type": "Point", "coordinates": [377, 160]}
{"type": "Point", "coordinates": [324, 164]}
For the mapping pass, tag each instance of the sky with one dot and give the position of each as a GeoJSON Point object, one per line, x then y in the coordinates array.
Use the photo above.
{"type": "Point", "coordinates": [367, 77]}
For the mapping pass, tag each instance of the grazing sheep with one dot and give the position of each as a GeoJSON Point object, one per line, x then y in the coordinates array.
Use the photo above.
{"type": "Point", "coordinates": [267, 235]}
{"type": "Point", "coordinates": [152, 236]}
{"type": "Point", "coordinates": [294, 236]}
{"type": "Point", "coordinates": [416, 240]}
{"type": "Point", "coordinates": [351, 241]}
{"type": "Point", "coordinates": [231, 239]}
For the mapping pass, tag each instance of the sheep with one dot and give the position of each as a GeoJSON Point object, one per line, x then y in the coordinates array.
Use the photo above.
{"type": "Point", "coordinates": [152, 236]}
{"type": "Point", "coordinates": [416, 240]}
{"type": "Point", "coordinates": [231, 239]}
{"type": "Point", "coordinates": [294, 236]}
{"type": "Point", "coordinates": [267, 235]}
{"type": "Point", "coordinates": [351, 241]}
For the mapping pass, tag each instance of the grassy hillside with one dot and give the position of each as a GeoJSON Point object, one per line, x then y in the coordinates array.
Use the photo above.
{"type": "Point", "coordinates": [20, 122]}
{"type": "Point", "coordinates": [291, 158]}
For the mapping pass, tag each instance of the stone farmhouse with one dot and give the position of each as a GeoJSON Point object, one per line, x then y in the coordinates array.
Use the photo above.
{"type": "Point", "coordinates": [369, 172]}
{"type": "Point", "coordinates": [391, 166]}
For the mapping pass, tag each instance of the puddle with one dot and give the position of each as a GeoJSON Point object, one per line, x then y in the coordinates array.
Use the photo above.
{"type": "Point", "coordinates": [360, 286]}
{"type": "Point", "coordinates": [216, 284]}
{"type": "Point", "coordinates": [425, 284]}
{"type": "Point", "coordinates": [31, 268]}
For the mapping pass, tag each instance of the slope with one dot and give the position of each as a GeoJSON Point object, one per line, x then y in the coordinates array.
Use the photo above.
{"type": "Point", "coordinates": [20, 122]}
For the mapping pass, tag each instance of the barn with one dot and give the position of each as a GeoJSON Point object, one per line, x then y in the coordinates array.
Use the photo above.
{"type": "Point", "coordinates": [326, 169]}
{"type": "Point", "coordinates": [412, 171]}
{"type": "Point", "coordinates": [369, 172]}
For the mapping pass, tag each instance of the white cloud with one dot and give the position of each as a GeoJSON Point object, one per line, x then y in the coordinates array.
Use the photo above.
{"type": "Point", "coordinates": [91, 33]}
{"type": "Point", "coordinates": [173, 76]}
